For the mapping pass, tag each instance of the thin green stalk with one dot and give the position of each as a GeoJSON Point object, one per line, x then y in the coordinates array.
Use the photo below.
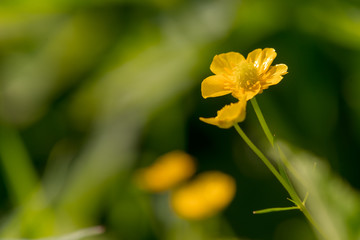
{"type": "Point", "coordinates": [311, 220]}
{"type": "Point", "coordinates": [262, 121]}
{"type": "Point", "coordinates": [292, 192]}
{"type": "Point", "coordinates": [270, 137]}
{"type": "Point", "coordinates": [288, 165]}
{"type": "Point", "coordinates": [264, 159]}
{"type": "Point", "coordinates": [283, 182]}
{"type": "Point", "coordinates": [278, 209]}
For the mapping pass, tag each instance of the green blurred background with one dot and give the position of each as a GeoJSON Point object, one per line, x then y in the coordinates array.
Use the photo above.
{"type": "Point", "coordinates": [92, 90]}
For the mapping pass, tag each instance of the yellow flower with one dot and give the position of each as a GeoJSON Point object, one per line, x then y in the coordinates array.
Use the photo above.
{"type": "Point", "coordinates": [166, 172]}
{"type": "Point", "coordinates": [228, 115]}
{"type": "Point", "coordinates": [243, 78]}
{"type": "Point", "coordinates": [205, 196]}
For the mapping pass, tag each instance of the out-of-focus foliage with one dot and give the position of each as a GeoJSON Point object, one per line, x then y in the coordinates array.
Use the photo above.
{"type": "Point", "coordinates": [334, 204]}
{"type": "Point", "coordinates": [90, 91]}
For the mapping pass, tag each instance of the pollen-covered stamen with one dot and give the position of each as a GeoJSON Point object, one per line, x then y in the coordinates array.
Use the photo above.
{"type": "Point", "coordinates": [231, 82]}
{"type": "Point", "coordinates": [247, 75]}
{"type": "Point", "coordinates": [228, 86]}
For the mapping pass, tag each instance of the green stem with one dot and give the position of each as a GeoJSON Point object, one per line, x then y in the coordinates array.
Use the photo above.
{"type": "Point", "coordinates": [262, 121]}
{"type": "Point", "coordinates": [264, 159]}
{"type": "Point", "coordinates": [311, 220]}
{"type": "Point", "coordinates": [278, 209]}
{"type": "Point", "coordinates": [287, 164]}
{"type": "Point", "coordinates": [283, 182]}
{"type": "Point", "coordinates": [284, 160]}
{"type": "Point", "coordinates": [270, 137]}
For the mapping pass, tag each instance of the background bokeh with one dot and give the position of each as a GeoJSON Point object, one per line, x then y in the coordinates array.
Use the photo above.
{"type": "Point", "coordinates": [92, 90]}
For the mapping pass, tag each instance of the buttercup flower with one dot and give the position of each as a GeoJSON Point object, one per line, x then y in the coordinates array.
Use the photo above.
{"type": "Point", "coordinates": [166, 172]}
{"type": "Point", "coordinates": [205, 196]}
{"type": "Point", "coordinates": [243, 78]}
{"type": "Point", "coordinates": [228, 115]}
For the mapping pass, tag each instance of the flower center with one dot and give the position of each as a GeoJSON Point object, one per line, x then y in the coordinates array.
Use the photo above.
{"type": "Point", "coordinates": [247, 75]}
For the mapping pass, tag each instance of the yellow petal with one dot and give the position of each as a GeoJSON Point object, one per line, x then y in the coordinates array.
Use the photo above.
{"type": "Point", "coordinates": [166, 172]}
{"type": "Point", "coordinates": [262, 59]}
{"type": "Point", "coordinates": [214, 86]}
{"type": "Point", "coordinates": [274, 75]}
{"type": "Point", "coordinates": [212, 121]}
{"type": "Point", "coordinates": [228, 115]}
{"type": "Point", "coordinates": [233, 112]}
{"type": "Point", "coordinates": [226, 62]}
{"type": "Point", "coordinates": [219, 188]}
{"type": "Point", "coordinates": [205, 196]}
{"type": "Point", "coordinates": [187, 203]}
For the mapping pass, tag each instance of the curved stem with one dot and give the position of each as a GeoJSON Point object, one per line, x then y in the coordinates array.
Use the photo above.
{"type": "Point", "coordinates": [264, 159]}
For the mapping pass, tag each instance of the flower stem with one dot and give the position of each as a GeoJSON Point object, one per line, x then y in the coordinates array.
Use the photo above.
{"type": "Point", "coordinates": [262, 121]}
{"type": "Point", "coordinates": [290, 189]}
{"type": "Point", "coordinates": [283, 182]}
{"type": "Point", "coordinates": [263, 158]}
{"type": "Point", "coordinates": [270, 137]}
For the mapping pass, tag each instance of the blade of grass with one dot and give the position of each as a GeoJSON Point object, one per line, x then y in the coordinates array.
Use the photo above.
{"type": "Point", "coordinates": [17, 166]}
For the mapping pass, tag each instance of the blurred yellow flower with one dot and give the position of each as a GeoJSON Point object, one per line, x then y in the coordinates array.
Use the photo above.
{"type": "Point", "coordinates": [166, 172]}
{"type": "Point", "coordinates": [243, 78]}
{"type": "Point", "coordinates": [228, 115]}
{"type": "Point", "coordinates": [205, 196]}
